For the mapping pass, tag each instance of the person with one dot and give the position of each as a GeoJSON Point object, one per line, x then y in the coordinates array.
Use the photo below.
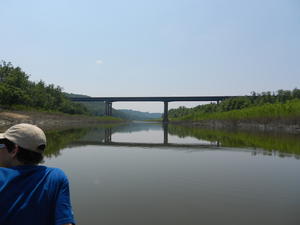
{"type": "Point", "coordinates": [31, 194]}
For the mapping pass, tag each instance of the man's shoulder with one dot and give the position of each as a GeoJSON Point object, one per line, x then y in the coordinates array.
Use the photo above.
{"type": "Point", "coordinates": [34, 170]}
{"type": "Point", "coordinates": [50, 175]}
{"type": "Point", "coordinates": [27, 168]}
{"type": "Point", "coordinates": [53, 169]}
{"type": "Point", "coordinates": [54, 172]}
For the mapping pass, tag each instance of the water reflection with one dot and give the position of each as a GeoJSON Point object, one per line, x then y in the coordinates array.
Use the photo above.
{"type": "Point", "coordinates": [155, 179]}
{"type": "Point", "coordinates": [158, 135]}
{"type": "Point", "coordinates": [60, 139]}
{"type": "Point", "coordinates": [271, 141]}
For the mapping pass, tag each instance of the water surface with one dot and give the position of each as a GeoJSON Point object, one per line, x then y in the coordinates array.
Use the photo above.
{"type": "Point", "coordinates": [149, 174]}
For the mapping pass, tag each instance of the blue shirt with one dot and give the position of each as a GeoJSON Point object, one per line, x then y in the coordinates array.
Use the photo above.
{"type": "Point", "coordinates": [34, 195]}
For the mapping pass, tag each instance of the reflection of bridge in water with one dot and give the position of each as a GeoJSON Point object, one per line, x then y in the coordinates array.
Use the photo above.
{"type": "Point", "coordinates": [151, 145]}
{"type": "Point", "coordinates": [108, 141]}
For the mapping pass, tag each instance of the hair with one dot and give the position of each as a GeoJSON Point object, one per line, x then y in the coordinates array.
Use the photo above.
{"type": "Point", "coordinates": [25, 156]}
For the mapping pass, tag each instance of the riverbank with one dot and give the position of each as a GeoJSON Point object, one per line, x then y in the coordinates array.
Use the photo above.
{"type": "Point", "coordinates": [48, 120]}
{"type": "Point", "coordinates": [246, 125]}
{"type": "Point", "coordinates": [282, 117]}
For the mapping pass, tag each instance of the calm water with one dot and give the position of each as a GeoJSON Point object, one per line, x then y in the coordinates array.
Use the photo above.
{"type": "Point", "coordinates": [144, 174]}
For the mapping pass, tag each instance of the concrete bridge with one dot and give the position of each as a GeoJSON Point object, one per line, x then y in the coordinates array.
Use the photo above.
{"type": "Point", "coordinates": [109, 100]}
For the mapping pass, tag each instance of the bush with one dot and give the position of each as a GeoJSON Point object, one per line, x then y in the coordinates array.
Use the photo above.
{"type": "Point", "coordinates": [17, 89]}
{"type": "Point", "coordinates": [257, 106]}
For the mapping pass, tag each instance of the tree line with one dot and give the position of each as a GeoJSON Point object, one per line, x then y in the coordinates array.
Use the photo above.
{"type": "Point", "coordinates": [17, 91]}
{"type": "Point", "coordinates": [236, 103]}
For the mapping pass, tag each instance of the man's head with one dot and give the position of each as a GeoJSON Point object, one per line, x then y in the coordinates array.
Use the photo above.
{"type": "Point", "coordinates": [23, 144]}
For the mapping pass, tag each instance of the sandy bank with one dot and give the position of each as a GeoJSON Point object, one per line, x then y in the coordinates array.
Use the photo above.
{"type": "Point", "coordinates": [48, 120]}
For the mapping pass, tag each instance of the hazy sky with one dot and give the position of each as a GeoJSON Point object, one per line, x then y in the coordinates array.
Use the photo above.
{"type": "Point", "coordinates": [155, 48]}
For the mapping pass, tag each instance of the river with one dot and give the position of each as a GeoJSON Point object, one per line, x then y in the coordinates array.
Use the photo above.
{"type": "Point", "coordinates": [149, 174]}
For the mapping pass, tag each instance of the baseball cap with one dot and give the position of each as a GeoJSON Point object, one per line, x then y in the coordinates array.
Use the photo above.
{"type": "Point", "coordinates": [25, 135]}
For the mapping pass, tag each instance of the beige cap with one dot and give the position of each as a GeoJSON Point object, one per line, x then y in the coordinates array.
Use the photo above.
{"type": "Point", "coordinates": [25, 135]}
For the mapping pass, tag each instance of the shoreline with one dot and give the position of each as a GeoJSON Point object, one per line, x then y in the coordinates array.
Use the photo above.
{"type": "Point", "coordinates": [48, 120]}
{"type": "Point", "coordinates": [274, 126]}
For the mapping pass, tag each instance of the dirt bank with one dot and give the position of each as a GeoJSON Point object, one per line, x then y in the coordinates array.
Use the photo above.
{"type": "Point", "coordinates": [274, 126]}
{"type": "Point", "coordinates": [49, 120]}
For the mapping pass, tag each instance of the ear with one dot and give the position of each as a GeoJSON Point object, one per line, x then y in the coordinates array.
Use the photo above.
{"type": "Point", "coordinates": [14, 152]}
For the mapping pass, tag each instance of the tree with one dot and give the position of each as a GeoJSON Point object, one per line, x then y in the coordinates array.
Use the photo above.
{"type": "Point", "coordinates": [17, 89]}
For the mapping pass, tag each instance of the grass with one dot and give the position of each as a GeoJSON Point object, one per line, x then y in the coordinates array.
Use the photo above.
{"type": "Point", "coordinates": [154, 120]}
{"type": "Point", "coordinates": [265, 113]}
{"type": "Point", "coordinates": [28, 109]}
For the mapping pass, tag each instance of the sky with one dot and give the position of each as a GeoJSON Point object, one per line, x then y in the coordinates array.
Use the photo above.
{"type": "Point", "coordinates": [155, 48]}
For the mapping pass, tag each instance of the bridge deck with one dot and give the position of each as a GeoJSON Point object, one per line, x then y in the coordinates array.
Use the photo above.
{"type": "Point", "coordinates": [153, 99]}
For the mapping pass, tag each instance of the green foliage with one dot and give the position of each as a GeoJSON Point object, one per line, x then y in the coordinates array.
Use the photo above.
{"type": "Point", "coordinates": [17, 89]}
{"type": "Point", "coordinates": [180, 112]}
{"type": "Point", "coordinates": [263, 113]}
{"type": "Point", "coordinates": [261, 107]}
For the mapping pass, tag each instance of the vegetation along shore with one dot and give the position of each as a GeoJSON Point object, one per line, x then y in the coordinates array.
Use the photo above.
{"type": "Point", "coordinates": [279, 111]}
{"type": "Point", "coordinates": [22, 100]}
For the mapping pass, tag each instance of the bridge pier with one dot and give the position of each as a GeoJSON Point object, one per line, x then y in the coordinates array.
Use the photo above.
{"type": "Point", "coordinates": [108, 108]}
{"type": "Point", "coordinates": [166, 119]}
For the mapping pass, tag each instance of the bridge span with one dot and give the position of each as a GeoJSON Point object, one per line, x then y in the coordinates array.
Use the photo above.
{"type": "Point", "coordinates": [109, 100]}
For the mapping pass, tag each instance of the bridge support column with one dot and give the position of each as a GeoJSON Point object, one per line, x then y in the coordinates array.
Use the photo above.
{"type": "Point", "coordinates": [108, 108]}
{"type": "Point", "coordinates": [165, 119]}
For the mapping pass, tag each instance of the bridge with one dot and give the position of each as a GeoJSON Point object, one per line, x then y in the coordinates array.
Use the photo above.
{"type": "Point", "coordinates": [109, 100]}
